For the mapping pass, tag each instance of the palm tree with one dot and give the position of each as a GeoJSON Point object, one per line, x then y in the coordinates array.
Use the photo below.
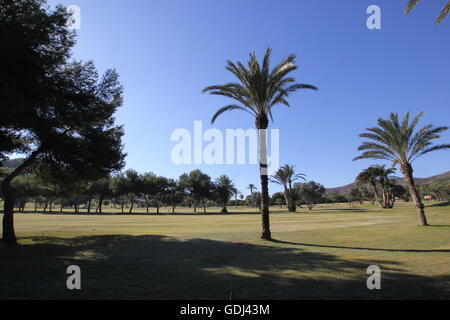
{"type": "Point", "coordinates": [386, 183]}
{"type": "Point", "coordinates": [225, 189]}
{"type": "Point", "coordinates": [252, 187]}
{"type": "Point", "coordinates": [236, 195]}
{"type": "Point", "coordinates": [444, 12]}
{"type": "Point", "coordinates": [402, 144]}
{"type": "Point", "coordinates": [285, 177]}
{"type": "Point", "coordinates": [370, 176]}
{"type": "Point", "coordinates": [257, 92]}
{"type": "Point", "coordinates": [378, 176]}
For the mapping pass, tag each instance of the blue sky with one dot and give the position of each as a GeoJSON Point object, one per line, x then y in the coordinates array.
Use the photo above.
{"type": "Point", "coordinates": [167, 51]}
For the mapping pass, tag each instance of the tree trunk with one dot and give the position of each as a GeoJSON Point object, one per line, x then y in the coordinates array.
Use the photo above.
{"type": "Point", "coordinates": [130, 198]}
{"type": "Point", "coordinates": [89, 204]}
{"type": "Point", "coordinates": [262, 123]}
{"type": "Point", "coordinates": [157, 206]}
{"type": "Point", "coordinates": [292, 206]}
{"type": "Point", "coordinates": [100, 204]}
{"type": "Point", "coordinates": [407, 171]}
{"type": "Point", "coordinates": [288, 198]}
{"type": "Point", "coordinates": [9, 235]}
{"type": "Point", "coordinates": [146, 203]}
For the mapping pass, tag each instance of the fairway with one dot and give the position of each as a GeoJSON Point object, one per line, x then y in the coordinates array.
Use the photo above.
{"type": "Point", "coordinates": [319, 254]}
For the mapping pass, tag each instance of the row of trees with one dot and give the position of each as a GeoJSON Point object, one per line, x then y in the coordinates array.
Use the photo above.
{"type": "Point", "coordinates": [127, 189]}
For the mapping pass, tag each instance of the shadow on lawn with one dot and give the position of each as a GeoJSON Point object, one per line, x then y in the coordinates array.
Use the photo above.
{"type": "Point", "coordinates": [158, 267]}
{"type": "Point", "coordinates": [361, 248]}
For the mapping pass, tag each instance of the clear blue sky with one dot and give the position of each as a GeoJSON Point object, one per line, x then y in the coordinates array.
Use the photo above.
{"type": "Point", "coordinates": [167, 51]}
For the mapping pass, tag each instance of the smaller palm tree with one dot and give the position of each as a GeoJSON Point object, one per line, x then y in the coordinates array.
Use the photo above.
{"type": "Point", "coordinates": [286, 177]}
{"type": "Point", "coordinates": [370, 176]}
{"type": "Point", "coordinates": [444, 12]}
{"type": "Point", "coordinates": [378, 176]}
{"type": "Point", "coordinates": [402, 144]}
{"type": "Point", "coordinates": [252, 187]}
{"type": "Point", "coordinates": [386, 183]}
{"type": "Point", "coordinates": [225, 189]}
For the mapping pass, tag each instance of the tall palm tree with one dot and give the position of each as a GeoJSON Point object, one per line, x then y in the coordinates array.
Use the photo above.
{"type": "Point", "coordinates": [444, 12]}
{"type": "Point", "coordinates": [257, 92]}
{"type": "Point", "coordinates": [285, 177]}
{"type": "Point", "coordinates": [225, 190]}
{"type": "Point", "coordinates": [402, 144]}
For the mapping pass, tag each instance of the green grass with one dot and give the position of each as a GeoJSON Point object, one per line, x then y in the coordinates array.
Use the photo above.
{"type": "Point", "coordinates": [319, 254]}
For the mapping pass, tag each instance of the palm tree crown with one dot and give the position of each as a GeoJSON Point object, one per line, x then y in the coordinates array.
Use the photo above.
{"type": "Point", "coordinates": [399, 142]}
{"type": "Point", "coordinates": [286, 175]}
{"type": "Point", "coordinates": [259, 89]}
{"type": "Point", "coordinates": [225, 189]}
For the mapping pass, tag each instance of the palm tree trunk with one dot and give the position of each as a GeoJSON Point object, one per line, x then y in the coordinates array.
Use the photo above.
{"type": "Point", "coordinates": [262, 123]}
{"type": "Point", "coordinates": [407, 171]}
{"type": "Point", "coordinates": [374, 189]}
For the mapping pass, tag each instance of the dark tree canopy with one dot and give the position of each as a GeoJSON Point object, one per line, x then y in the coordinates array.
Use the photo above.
{"type": "Point", "coordinates": [57, 110]}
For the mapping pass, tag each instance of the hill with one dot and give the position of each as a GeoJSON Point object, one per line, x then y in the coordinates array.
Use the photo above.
{"type": "Point", "coordinates": [443, 177]}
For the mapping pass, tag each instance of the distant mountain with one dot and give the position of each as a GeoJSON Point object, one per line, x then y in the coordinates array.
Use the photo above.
{"type": "Point", "coordinates": [443, 177]}
{"type": "Point", "coordinates": [13, 163]}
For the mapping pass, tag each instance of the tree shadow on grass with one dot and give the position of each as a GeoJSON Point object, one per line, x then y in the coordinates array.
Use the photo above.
{"type": "Point", "coordinates": [158, 267]}
{"type": "Point", "coordinates": [442, 204]}
{"type": "Point", "coordinates": [344, 210]}
{"type": "Point", "coordinates": [361, 248]}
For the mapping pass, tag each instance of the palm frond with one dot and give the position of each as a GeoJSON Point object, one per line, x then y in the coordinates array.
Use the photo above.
{"type": "Point", "coordinates": [228, 108]}
{"type": "Point", "coordinates": [430, 149]}
{"type": "Point", "coordinates": [399, 141]}
{"type": "Point", "coordinates": [443, 14]}
{"type": "Point", "coordinates": [411, 4]}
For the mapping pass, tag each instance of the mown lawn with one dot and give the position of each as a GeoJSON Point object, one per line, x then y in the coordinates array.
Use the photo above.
{"type": "Point", "coordinates": [322, 254]}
